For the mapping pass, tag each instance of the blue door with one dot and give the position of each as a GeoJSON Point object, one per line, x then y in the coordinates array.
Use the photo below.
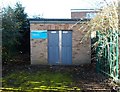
{"type": "Point", "coordinates": [60, 47]}
{"type": "Point", "coordinates": [66, 47]}
{"type": "Point", "coordinates": [53, 47]}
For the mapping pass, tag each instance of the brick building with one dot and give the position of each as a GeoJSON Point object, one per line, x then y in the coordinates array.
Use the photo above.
{"type": "Point", "coordinates": [57, 42]}
{"type": "Point", "coordinates": [83, 13]}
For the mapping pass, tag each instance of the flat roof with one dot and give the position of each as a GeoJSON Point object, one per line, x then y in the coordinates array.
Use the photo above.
{"type": "Point", "coordinates": [56, 21]}
{"type": "Point", "coordinates": [85, 10]}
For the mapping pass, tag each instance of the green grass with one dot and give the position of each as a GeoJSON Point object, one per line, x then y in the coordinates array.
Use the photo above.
{"type": "Point", "coordinates": [38, 81]}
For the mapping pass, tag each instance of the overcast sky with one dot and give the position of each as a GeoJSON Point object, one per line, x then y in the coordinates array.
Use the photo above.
{"type": "Point", "coordinates": [52, 8]}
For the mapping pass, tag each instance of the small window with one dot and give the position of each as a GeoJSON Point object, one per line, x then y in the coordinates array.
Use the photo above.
{"type": "Point", "coordinates": [53, 32]}
{"type": "Point", "coordinates": [65, 32]}
{"type": "Point", "coordinates": [90, 15]}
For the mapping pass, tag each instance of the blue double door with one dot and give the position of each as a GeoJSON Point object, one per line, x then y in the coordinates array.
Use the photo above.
{"type": "Point", "coordinates": [60, 47]}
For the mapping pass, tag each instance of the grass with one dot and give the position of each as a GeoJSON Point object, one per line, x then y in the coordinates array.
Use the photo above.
{"type": "Point", "coordinates": [38, 81]}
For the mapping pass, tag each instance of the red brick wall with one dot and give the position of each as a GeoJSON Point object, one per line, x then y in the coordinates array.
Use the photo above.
{"type": "Point", "coordinates": [80, 14]}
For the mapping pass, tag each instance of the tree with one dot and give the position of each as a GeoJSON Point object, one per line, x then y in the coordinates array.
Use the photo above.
{"type": "Point", "coordinates": [14, 21]}
{"type": "Point", "coordinates": [21, 17]}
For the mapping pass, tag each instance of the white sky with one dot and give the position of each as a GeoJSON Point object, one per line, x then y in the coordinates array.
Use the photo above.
{"type": "Point", "coordinates": [52, 8]}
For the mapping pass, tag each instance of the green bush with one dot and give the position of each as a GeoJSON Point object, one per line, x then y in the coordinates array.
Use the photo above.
{"type": "Point", "coordinates": [14, 20]}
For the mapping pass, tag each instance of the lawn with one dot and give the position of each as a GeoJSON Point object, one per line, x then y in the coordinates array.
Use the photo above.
{"type": "Point", "coordinates": [38, 80]}
{"type": "Point", "coordinates": [52, 78]}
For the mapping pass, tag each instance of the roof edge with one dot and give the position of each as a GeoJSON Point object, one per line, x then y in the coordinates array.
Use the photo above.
{"type": "Point", "coordinates": [49, 19]}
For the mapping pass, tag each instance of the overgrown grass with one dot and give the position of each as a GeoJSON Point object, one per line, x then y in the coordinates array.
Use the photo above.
{"type": "Point", "coordinates": [38, 81]}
